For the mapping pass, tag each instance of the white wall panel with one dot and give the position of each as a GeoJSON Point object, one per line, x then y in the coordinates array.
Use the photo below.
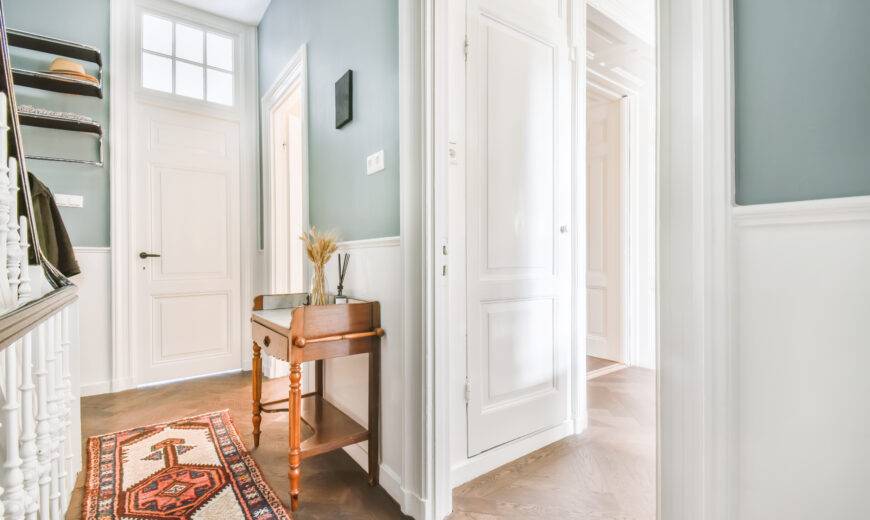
{"type": "Point", "coordinates": [802, 352]}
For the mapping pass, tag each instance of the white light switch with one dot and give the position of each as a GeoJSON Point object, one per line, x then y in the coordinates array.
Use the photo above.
{"type": "Point", "coordinates": [69, 201]}
{"type": "Point", "coordinates": [375, 162]}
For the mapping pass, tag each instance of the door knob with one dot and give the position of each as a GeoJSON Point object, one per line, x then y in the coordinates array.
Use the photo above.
{"type": "Point", "coordinates": [143, 255]}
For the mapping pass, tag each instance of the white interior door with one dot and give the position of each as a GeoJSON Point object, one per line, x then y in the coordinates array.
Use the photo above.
{"type": "Point", "coordinates": [518, 200]}
{"type": "Point", "coordinates": [186, 196]}
{"type": "Point", "coordinates": [604, 233]}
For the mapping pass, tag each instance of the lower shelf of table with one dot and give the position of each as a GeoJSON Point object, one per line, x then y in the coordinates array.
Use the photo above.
{"type": "Point", "coordinates": [333, 429]}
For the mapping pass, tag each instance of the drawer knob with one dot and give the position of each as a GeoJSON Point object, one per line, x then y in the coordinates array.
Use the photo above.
{"type": "Point", "coordinates": [266, 341]}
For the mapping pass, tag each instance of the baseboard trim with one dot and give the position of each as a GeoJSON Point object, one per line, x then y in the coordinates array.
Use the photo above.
{"type": "Point", "coordinates": [102, 387]}
{"type": "Point", "coordinates": [473, 467]}
{"type": "Point", "coordinates": [410, 503]}
{"type": "Point", "coordinates": [609, 369]}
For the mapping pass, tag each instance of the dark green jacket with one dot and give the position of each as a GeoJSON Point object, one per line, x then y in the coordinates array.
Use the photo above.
{"type": "Point", "coordinates": [53, 238]}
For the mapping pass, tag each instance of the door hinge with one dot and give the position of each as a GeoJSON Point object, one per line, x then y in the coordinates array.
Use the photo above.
{"type": "Point", "coordinates": [467, 391]}
{"type": "Point", "coordinates": [465, 47]}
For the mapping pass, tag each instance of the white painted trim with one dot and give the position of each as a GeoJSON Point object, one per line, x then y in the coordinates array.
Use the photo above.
{"type": "Point", "coordinates": [121, 23]}
{"type": "Point", "coordinates": [123, 60]}
{"type": "Point", "coordinates": [191, 378]}
{"type": "Point", "coordinates": [294, 73]}
{"type": "Point", "coordinates": [577, 44]}
{"type": "Point", "coordinates": [92, 249]}
{"type": "Point", "coordinates": [846, 209]}
{"type": "Point", "coordinates": [370, 243]}
{"type": "Point", "coordinates": [696, 397]}
{"type": "Point", "coordinates": [416, 25]}
{"type": "Point", "coordinates": [103, 387]}
{"type": "Point", "coordinates": [603, 371]}
{"type": "Point", "coordinates": [487, 461]}
{"type": "Point", "coordinates": [390, 481]}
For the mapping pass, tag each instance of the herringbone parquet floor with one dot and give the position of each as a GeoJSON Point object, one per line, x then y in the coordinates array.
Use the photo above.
{"type": "Point", "coordinates": [608, 472]}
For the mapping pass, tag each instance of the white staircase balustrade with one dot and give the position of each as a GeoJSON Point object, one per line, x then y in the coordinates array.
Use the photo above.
{"type": "Point", "coordinates": [40, 436]}
{"type": "Point", "coordinates": [40, 454]}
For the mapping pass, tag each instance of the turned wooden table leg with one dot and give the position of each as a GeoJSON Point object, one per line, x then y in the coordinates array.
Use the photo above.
{"type": "Point", "coordinates": [295, 454]}
{"type": "Point", "coordinates": [256, 386]}
{"type": "Point", "coordinates": [374, 410]}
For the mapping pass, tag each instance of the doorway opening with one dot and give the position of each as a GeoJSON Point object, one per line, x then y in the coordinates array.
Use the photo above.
{"type": "Point", "coordinates": [285, 182]}
{"type": "Point", "coordinates": [620, 198]}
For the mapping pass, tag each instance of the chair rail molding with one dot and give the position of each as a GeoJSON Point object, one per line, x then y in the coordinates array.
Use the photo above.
{"type": "Point", "coordinates": [696, 262]}
{"type": "Point", "coordinates": [846, 209]}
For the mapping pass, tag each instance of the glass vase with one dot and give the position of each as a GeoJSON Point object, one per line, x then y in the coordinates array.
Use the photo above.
{"type": "Point", "coordinates": [318, 286]}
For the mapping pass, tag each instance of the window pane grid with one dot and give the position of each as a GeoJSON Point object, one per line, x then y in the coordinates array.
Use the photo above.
{"type": "Point", "coordinates": [199, 63]}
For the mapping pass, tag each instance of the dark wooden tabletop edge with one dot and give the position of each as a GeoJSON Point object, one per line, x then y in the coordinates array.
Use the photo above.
{"type": "Point", "coordinates": [14, 325]}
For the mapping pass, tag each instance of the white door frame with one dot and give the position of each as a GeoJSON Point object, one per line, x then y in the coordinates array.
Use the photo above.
{"type": "Point", "coordinates": [294, 75]}
{"type": "Point", "coordinates": [631, 297]}
{"type": "Point", "coordinates": [696, 395]}
{"type": "Point", "coordinates": [124, 87]}
{"type": "Point", "coordinates": [448, 42]}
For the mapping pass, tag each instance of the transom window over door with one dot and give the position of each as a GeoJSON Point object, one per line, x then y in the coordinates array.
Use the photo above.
{"type": "Point", "coordinates": [186, 60]}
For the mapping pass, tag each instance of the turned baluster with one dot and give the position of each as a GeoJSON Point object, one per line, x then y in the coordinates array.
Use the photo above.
{"type": "Point", "coordinates": [24, 288]}
{"type": "Point", "coordinates": [70, 398]}
{"type": "Point", "coordinates": [5, 215]}
{"type": "Point", "coordinates": [54, 418]}
{"type": "Point", "coordinates": [13, 238]}
{"type": "Point", "coordinates": [43, 418]}
{"type": "Point", "coordinates": [63, 407]}
{"type": "Point", "coordinates": [30, 466]}
{"type": "Point", "coordinates": [15, 498]}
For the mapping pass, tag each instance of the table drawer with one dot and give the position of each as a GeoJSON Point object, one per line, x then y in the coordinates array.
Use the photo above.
{"type": "Point", "coordinates": [271, 342]}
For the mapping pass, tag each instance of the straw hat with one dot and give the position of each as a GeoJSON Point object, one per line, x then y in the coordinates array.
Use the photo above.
{"type": "Point", "coordinates": [71, 69]}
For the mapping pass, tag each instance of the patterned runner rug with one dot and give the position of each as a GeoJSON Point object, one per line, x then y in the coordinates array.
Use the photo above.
{"type": "Point", "coordinates": [190, 469]}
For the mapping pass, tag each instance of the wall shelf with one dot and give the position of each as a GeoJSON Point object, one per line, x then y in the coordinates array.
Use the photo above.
{"type": "Point", "coordinates": [56, 83]}
{"type": "Point", "coordinates": [47, 44]}
{"type": "Point", "coordinates": [59, 122]}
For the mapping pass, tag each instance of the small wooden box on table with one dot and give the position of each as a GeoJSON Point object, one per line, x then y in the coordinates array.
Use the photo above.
{"type": "Point", "coordinates": [289, 330]}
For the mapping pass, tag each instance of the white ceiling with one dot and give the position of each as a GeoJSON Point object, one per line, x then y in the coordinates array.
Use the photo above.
{"type": "Point", "coordinates": [245, 11]}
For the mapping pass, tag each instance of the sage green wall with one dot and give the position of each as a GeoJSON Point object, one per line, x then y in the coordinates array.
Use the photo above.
{"type": "Point", "coordinates": [802, 99]}
{"type": "Point", "coordinates": [361, 35]}
{"type": "Point", "coordinates": [83, 21]}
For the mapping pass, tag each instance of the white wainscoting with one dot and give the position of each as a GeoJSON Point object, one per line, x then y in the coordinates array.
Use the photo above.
{"type": "Point", "coordinates": [95, 305]}
{"type": "Point", "coordinates": [802, 352]}
{"type": "Point", "coordinates": [374, 273]}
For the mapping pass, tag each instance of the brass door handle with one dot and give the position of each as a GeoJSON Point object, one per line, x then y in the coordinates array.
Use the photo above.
{"type": "Point", "coordinates": [143, 255]}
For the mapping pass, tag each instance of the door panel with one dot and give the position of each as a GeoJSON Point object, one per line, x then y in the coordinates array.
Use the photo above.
{"type": "Point", "coordinates": [604, 235]}
{"type": "Point", "coordinates": [517, 196]}
{"type": "Point", "coordinates": [186, 181]}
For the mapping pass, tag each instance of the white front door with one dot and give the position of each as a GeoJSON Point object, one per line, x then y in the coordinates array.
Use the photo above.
{"type": "Point", "coordinates": [604, 230]}
{"type": "Point", "coordinates": [186, 195]}
{"type": "Point", "coordinates": [518, 207]}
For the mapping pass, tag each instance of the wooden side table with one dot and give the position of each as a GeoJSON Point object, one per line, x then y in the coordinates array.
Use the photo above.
{"type": "Point", "coordinates": [294, 332]}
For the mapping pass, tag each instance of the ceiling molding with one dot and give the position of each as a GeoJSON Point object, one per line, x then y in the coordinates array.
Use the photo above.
{"type": "Point", "coordinates": [248, 12]}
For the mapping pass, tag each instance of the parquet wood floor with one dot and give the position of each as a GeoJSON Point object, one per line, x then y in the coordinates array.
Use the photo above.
{"type": "Point", "coordinates": [333, 486]}
{"type": "Point", "coordinates": [608, 472]}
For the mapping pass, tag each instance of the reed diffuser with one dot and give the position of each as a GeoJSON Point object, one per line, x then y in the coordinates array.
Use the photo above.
{"type": "Point", "coordinates": [319, 246]}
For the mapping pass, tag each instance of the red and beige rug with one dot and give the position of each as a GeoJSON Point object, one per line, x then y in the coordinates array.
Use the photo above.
{"type": "Point", "coordinates": [191, 469]}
